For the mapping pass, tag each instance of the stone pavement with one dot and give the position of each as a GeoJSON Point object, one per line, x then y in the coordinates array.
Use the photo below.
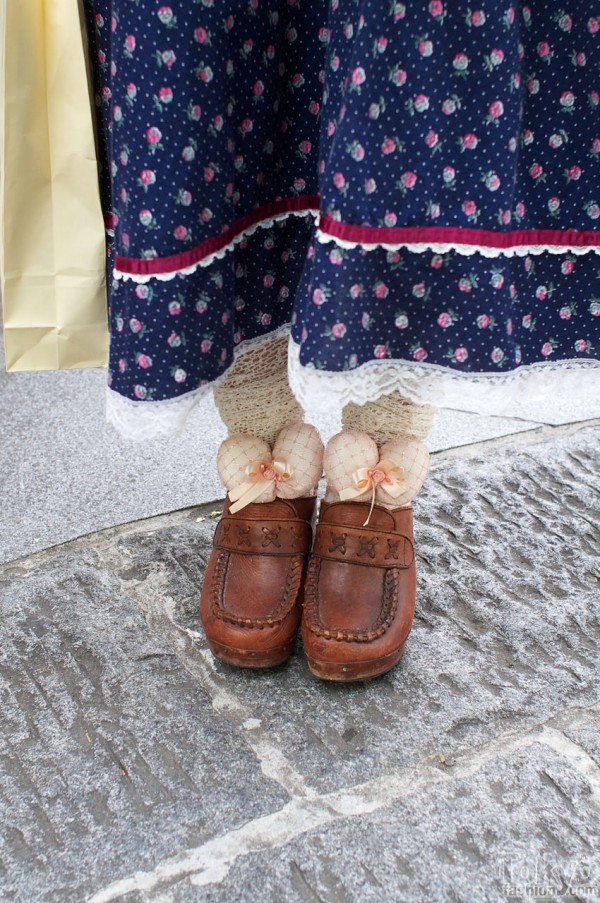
{"type": "Point", "coordinates": [133, 767]}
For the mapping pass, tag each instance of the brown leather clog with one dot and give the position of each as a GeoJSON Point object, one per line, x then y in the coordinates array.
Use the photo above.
{"type": "Point", "coordinates": [359, 597]}
{"type": "Point", "coordinates": [251, 600]}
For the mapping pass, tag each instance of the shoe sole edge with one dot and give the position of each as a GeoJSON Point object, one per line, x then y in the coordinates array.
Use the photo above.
{"type": "Point", "coordinates": [251, 658]}
{"type": "Point", "coordinates": [350, 672]}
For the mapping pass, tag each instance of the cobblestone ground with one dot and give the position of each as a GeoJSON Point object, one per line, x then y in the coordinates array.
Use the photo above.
{"type": "Point", "coordinates": [133, 767]}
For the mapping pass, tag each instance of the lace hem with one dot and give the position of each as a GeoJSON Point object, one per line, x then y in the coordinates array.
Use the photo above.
{"type": "Point", "coordinates": [441, 239]}
{"type": "Point", "coordinates": [146, 420]}
{"type": "Point", "coordinates": [513, 394]}
{"type": "Point", "coordinates": [216, 255]}
{"type": "Point", "coordinates": [466, 250]}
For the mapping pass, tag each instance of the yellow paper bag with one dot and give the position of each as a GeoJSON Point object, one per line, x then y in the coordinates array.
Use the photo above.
{"type": "Point", "coordinates": [53, 240]}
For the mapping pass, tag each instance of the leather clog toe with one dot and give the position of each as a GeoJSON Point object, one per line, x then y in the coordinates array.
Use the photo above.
{"type": "Point", "coordinates": [359, 598]}
{"type": "Point", "coordinates": [251, 600]}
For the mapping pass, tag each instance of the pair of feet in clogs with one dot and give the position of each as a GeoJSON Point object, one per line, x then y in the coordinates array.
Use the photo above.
{"type": "Point", "coordinates": [347, 578]}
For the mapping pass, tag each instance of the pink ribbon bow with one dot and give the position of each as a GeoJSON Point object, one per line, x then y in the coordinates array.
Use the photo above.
{"type": "Point", "coordinates": [367, 479]}
{"type": "Point", "coordinates": [260, 474]}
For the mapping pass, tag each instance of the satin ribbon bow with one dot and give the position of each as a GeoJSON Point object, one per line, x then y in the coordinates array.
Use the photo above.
{"type": "Point", "coordinates": [367, 479]}
{"type": "Point", "coordinates": [260, 474]}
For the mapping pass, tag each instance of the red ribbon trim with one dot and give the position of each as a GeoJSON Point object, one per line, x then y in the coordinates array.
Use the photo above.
{"type": "Point", "coordinates": [569, 238]}
{"type": "Point", "coordinates": [171, 264]}
{"type": "Point", "coordinates": [413, 235]}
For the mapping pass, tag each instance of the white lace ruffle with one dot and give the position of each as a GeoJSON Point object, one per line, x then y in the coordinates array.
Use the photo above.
{"type": "Point", "coordinates": [512, 394]}
{"type": "Point", "coordinates": [465, 250]}
{"type": "Point", "coordinates": [146, 420]}
{"type": "Point", "coordinates": [320, 391]}
{"type": "Point", "coordinates": [217, 255]}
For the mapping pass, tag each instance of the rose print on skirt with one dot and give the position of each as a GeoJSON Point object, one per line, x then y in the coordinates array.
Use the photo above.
{"type": "Point", "coordinates": [310, 168]}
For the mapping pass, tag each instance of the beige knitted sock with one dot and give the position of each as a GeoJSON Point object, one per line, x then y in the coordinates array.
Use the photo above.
{"type": "Point", "coordinates": [255, 396]}
{"type": "Point", "coordinates": [389, 417]}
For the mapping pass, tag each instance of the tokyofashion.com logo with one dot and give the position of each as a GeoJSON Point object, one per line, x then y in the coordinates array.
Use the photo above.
{"type": "Point", "coordinates": [541, 877]}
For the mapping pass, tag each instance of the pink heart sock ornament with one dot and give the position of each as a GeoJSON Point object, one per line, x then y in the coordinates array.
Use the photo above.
{"type": "Point", "coordinates": [253, 472]}
{"type": "Point", "coordinates": [356, 469]}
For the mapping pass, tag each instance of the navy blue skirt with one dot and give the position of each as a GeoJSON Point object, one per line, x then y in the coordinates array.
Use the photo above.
{"type": "Point", "coordinates": [410, 192]}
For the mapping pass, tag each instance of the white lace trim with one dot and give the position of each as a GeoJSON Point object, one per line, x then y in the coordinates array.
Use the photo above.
{"type": "Point", "coordinates": [464, 249]}
{"type": "Point", "coordinates": [515, 394]}
{"type": "Point", "coordinates": [146, 420]}
{"type": "Point", "coordinates": [210, 258]}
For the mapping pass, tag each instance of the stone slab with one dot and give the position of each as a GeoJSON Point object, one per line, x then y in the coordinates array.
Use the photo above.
{"type": "Point", "coordinates": [587, 736]}
{"type": "Point", "coordinates": [506, 629]}
{"type": "Point", "coordinates": [123, 741]}
{"type": "Point", "coordinates": [111, 754]}
{"type": "Point", "coordinates": [525, 820]}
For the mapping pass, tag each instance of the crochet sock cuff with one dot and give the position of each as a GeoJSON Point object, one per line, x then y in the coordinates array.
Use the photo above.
{"type": "Point", "coordinates": [388, 417]}
{"type": "Point", "coordinates": [255, 396]}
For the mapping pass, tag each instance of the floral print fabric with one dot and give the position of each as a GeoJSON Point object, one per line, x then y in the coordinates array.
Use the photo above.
{"type": "Point", "coordinates": [446, 114]}
{"type": "Point", "coordinates": [414, 129]}
{"type": "Point", "coordinates": [470, 313]}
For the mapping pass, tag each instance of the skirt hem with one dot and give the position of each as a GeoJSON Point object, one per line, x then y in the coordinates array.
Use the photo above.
{"type": "Point", "coordinates": [142, 420]}
{"type": "Point", "coordinates": [166, 268]}
{"type": "Point", "coordinates": [517, 393]}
